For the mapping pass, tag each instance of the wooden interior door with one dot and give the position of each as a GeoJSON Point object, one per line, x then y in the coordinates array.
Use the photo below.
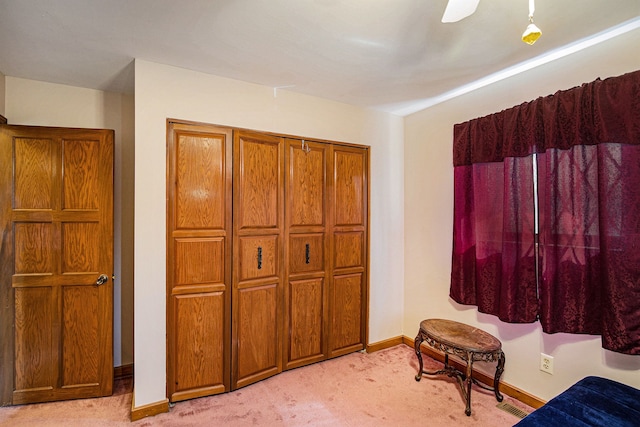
{"type": "Point", "coordinates": [306, 294]}
{"type": "Point", "coordinates": [56, 219]}
{"type": "Point", "coordinates": [198, 260]}
{"type": "Point", "coordinates": [258, 224]}
{"type": "Point", "coordinates": [348, 289]}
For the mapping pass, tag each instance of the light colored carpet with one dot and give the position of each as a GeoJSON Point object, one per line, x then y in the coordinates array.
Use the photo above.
{"type": "Point", "coordinates": [376, 389]}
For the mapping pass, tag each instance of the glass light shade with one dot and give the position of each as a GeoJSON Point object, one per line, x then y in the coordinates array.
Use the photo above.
{"type": "Point", "coordinates": [531, 34]}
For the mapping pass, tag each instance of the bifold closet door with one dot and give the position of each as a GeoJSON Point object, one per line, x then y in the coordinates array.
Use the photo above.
{"type": "Point", "coordinates": [348, 285]}
{"type": "Point", "coordinates": [199, 233]}
{"type": "Point", "coordinates": [306, 310]}
{"type": "Point", "coordinates": [267, 255]}
{"type": "Point", "coordinates": [258, 230]}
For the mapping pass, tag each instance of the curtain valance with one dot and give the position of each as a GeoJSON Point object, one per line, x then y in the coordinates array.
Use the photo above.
{"type": "Point", "coordinates": [601, 111]}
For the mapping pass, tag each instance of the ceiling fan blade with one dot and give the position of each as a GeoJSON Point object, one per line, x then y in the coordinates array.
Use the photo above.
{"type": "Point", "coordinates": [459, 9]}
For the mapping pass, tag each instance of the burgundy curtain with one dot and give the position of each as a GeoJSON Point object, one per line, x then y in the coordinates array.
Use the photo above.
{"type": "Point", "coordinates": [494, 251]}
{"type": "Point", "coordinates": [590, 243]}
{"type": "Point", "coordinates": [587, 141]}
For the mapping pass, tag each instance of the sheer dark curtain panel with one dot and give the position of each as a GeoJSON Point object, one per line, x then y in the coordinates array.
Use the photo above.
{"type": "Point", "coordinates": [493, 250]}
{"type": "Point", "coordinates": [586, 142]}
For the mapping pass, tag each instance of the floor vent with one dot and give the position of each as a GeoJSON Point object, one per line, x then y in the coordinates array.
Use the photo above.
{"type": "Point", "coordinates": [507, 407]}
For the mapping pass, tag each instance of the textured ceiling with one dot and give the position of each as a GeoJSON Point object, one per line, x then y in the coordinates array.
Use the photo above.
{"type": "Point", "coordinates": [383, 54]}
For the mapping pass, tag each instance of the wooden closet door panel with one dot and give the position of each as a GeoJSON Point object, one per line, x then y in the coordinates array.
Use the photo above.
{"type": "Point", "coordinates": [258, 181]}
{"type": "Point", "coordinates": [349, 248]}
{"type": "Point", "coordinates": [258, 212]}
{"type": "Point", "coordinates": [346, 319]}
{"type": "Point", "coordinates": [199, 262]}
{"type": "Point", "coordinates": [306, 318]}
{"type": "Point", "coordinates": [199, 186]}
{"type": "Point", "coordinates": [257, 333]}
{"type": "Point", "coordinates": [60, 223]}
{"type": "Point", "coordinates": [306, 253]}
{"type": "Point", "coordinates": [350, 187]}
{"type": "Point", "coordinates": [306, 248]}
{"type": "Point", "coordinates": [306, 183]}
{"type": "Point", "coordinates": [259, 257]}
{"type": "Point", "coordinates": [200, 179]}
{"type": "Point", "coordinates": [200, 338]}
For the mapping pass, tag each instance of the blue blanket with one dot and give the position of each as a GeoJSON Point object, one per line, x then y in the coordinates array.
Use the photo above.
{"type": "Point", "coordinates": [592, 401]}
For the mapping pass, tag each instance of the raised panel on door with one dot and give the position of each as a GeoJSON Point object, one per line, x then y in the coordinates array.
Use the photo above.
{"type": "Point", "coordinates": [80, 336]}
{"type": "Point", "coordinates": [258, 182]}
{"type": "Point", "coordinates": [350, 187]}
{"type": "Point", "coordinates": [35, 168]}
{"type": "Point", "coordinates": [306, 314]}
{"type": "Point", "coordinates": [79, 252]}
{"type": "Point", "coordinates": [200, 199]}
{"type": "Point", "coordinates": [200, 352]}
{"type": "Point", "coordinates": [258, 217]}
{"type": "Point", "coordinates": [34, 250]}
{"type": "Point", "coordinates": [258, 257]}
{"type": "Point", "coordinates": [346, 314]}
{"type": "Point", "coordinates": [80, 165]}
{"type": "Point", "coordinates": [257, 331]}
{"type": "Point", "coordinates": [306, 253]}
{"type": "Point", "coordinates": [60, 225]}
{"type": "Point", "coordinates": [198, 260]}
{"type": "Point", "coordinates": [306, 248]}
{"type": "Point", "coordinates": [306, 183]}
{"type": "Point", "coordinates": [35, 340]}
{"type": "Point", "coordinates": [348, 251]}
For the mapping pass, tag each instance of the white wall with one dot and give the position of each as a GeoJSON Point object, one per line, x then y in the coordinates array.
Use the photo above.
{"type": "Point", "coordinates": [163, 92]}
{"type": "Point", "coordinates": [429, 223]}
{"type": "Point", "coordinates": [30, 102]}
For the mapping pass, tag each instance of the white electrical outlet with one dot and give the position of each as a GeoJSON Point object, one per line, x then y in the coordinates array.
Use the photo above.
{"type": "Point", "coordinates": [546, 363]}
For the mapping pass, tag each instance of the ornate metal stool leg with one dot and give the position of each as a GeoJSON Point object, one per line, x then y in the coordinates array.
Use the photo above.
{"type": "Point", "coordinates": [416, 345]}
{"type": "Point", "coordinates": [496, 379]}
{"type": "Point", "coordinates": [469, 380]}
